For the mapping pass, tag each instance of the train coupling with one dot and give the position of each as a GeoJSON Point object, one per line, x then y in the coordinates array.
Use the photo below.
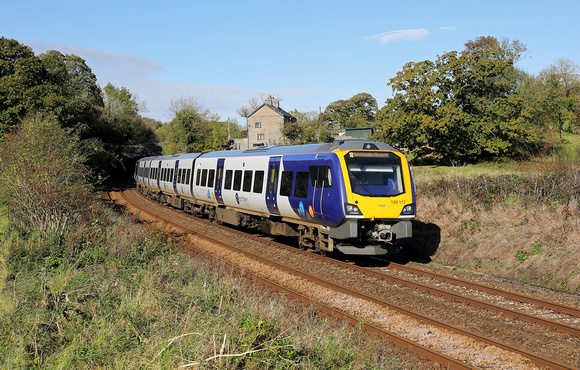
{"type": "Point", "coordinates": [382, 232]}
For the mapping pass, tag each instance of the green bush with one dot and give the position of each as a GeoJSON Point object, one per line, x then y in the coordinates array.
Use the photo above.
{"type": "Point", "coordinates": [557, 184]}
{"type": "Point", "coordinates": [43, 179]}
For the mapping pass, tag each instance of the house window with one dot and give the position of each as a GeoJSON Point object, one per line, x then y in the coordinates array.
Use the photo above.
{"type": "Point", "coordinates": [258, 124]}
{"type": "Point", "coordinates": [260, 136]}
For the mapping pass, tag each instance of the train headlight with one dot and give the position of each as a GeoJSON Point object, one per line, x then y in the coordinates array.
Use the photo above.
{"type": "Point", "coordinates": [408, 210]}
{"type": "Point", "coordinates": [352, 210]}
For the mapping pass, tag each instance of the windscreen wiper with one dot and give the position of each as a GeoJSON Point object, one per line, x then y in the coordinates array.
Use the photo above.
{"type": "Point", "coordinates": [360, 182]}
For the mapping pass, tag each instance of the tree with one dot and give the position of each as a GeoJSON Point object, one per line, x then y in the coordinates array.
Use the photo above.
{"type": "Point", "coordinates": [61, 85]}
{"type": "Point", "coordinates": [461, 105]}
{"type": "Point", "coordinates": [122, 122]}
{"type": "Point", "coordinates": [358, 111]}
{"type": "Point", "coordinates": [76, 87]}
{"type": "Point", "coordinates": [504, 49]}
{"type": "Point", "coordinates": [21, 77]}
{"type": "Point", "coordinates": [306, 130]}
{"type": "Point", "coordinates": [194, 128]}
{"type": "Point", "coordinates": [254, 103]}
{"type": "Point", "coordinates": [43, 178]}
{"type": "Point", "coordinates": [560, 95]}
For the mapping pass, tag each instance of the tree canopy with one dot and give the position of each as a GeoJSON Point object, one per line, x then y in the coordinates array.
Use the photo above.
{"type": "Point", "coordinates": [464, 104]}
{"type": "Point", "coordinates": [358, 111]}
{"type": "Point", "coordinates": [195, 129]}
{"type": "Point", "coordinates": [61, 85]}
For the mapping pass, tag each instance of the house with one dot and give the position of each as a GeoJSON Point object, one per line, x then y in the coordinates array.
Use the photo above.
{"type": "Point", "coordinates": [265, 125]}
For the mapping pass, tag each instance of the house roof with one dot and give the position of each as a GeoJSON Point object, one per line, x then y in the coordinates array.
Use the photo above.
{"type": "Point", "coordinates": [280, 111]}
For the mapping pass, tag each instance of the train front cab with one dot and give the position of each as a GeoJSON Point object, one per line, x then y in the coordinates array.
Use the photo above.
{"type": "Point", "coordinates": [380, 200]}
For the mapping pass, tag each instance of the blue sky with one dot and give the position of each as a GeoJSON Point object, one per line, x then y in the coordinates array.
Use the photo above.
{"type": "Point", "coordinates": [307, 53]}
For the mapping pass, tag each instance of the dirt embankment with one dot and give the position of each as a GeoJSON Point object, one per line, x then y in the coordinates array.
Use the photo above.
{"type": "Point", "coordinates": [539, 246]}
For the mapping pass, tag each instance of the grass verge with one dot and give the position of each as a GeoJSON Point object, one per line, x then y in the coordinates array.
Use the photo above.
{"type": "Point", "coordinates": [125, 297]}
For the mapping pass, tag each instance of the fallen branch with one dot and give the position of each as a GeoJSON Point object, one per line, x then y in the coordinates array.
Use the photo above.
{"type": "Point", "coordinates": [234, 355]}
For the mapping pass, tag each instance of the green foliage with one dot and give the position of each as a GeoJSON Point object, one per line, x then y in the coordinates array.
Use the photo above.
{"type": "Point", "coordinates": [77, 97]}
{"type": "Point", "coordinates": [307, 129]}
{"type": "Point", "coordinates": [121, 122]}
{"type": "Point", "coordinates": [53, 83]}
{"type": "Point", "coordinates": [553, 184]}
{"type": "Point", "coordinates": [194, 129]}
{"type": "Point", "coordinates": [523, 255]}
{"type": "Point", "coordinates": [21, 83]}
{"type": "Point", "coordinates": [43, 179]}
{"type": "Point", "coordinates": [555, 95]}
{"type": "Point", "coordinates": [461, 105]}
{"type": "Point", "coordinates": [358, 111]}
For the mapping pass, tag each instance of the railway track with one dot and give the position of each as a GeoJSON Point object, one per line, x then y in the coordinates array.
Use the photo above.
{"type": "Point", "coordinates": [382, 306]}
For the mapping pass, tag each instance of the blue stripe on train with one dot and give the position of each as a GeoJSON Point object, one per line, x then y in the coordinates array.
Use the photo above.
{"type": "Point", "coordinates": [331, 211]}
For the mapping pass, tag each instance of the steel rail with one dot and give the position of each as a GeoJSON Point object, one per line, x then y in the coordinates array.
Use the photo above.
{"type": "Point", "coordinates": [418, 349]}
{"type": "Point", "coordinates": [534, 358]}
{"type": "Point", "coordinates": [573, 311]}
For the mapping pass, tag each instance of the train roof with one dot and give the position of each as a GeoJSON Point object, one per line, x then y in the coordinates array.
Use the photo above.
{"type": "Point", "coordinates": [173, 156]}
{"type": "Point", "coordinates": [302, 149]}
{"type": "Point", "coordinates": [283, 150]}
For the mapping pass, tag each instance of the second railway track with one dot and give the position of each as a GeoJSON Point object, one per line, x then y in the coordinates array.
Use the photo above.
{"type": "Point", "coordinates": [357, 286]}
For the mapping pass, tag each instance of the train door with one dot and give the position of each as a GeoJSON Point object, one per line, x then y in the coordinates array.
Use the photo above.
{"type": "Point", "coordinates": [321, 177]}
{"type": "Point", "coordinates": [219, 180]}
{"type": "Point", "coordinates": [158, 176]}
{"type": "Point", "coordinates": [175, 176]}
{"type": "Point", "coordinates": [272, 185]}
{"type": "Point", "coordinates": [148, 173]}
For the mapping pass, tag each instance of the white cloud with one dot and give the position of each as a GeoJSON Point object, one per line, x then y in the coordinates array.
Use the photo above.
{"type": "Point", "coordinates": [449, 29]}
{"type": "Point", "coordinates": [109, 61]}
{"type": "Point", "coordinates": [386, 37]}
{"type": "Point", "coordinates": [135, 72]}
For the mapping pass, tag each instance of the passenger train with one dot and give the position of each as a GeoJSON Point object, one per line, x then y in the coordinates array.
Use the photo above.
{"type": "Point", "coordinates": [356, 197]}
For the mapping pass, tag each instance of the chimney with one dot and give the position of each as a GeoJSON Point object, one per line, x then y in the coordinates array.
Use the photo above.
{"type": "Point", "coordinates": [273, 102]}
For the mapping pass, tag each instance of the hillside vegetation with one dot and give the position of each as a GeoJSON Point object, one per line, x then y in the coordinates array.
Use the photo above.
{"type": "Point", "coordinates": [518, 220]}
{"type": "Point", "coordinates": [82, 286]}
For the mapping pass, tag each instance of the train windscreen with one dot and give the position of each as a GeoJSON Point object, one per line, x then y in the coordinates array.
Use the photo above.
{"type": "Point", "coordinates": [375, 174]}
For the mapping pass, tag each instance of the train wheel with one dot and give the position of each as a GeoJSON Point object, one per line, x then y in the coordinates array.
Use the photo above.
{"type": "Point", "coordinates": [302, 240]}
{"type": "Point", "coordinates": [319, 248]}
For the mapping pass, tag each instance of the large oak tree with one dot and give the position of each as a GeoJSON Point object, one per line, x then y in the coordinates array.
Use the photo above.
{"type": "Point", "coordinates": [464, 104]}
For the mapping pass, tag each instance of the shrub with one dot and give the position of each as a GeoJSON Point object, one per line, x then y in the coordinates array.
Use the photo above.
{"type": "Point", "coordinates": [558, 184]}
{"type": "Point", "coordinates": [43, 178]}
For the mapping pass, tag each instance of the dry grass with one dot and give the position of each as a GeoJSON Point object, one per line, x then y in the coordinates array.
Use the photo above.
{"type": "Point", "coordinates": [538, 245]}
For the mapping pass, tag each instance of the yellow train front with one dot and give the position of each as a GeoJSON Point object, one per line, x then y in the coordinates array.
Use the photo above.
{"type": "Point", "coordinates": [380, 199]}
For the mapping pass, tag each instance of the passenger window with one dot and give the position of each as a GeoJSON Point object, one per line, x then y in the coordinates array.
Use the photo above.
{"type": "Point", "coordinates": [198, 179]}
{"type": "Point", "coordinates": [321, 176]}
{"type": "Point", "coordinates": [188, 176]}
{"type": "Point", "coordinates": [237, 180]}
{"type": "Point", "coordinates": [210, 177]}
{"type": "Point", "coordinates": [286, 183]}
{"type": "Point", "coordinates": [228, 180]}
{"type": "Point", "coordinates": [247, 181]}
{"type": "Point", "coordinates": [203, 177]}
{"type": "Point", "coordinates": [179, 174]}
{"type": "Point", "coordinates": [258, 182]}
{"type": "Point", "coordinates": [301, 186]}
